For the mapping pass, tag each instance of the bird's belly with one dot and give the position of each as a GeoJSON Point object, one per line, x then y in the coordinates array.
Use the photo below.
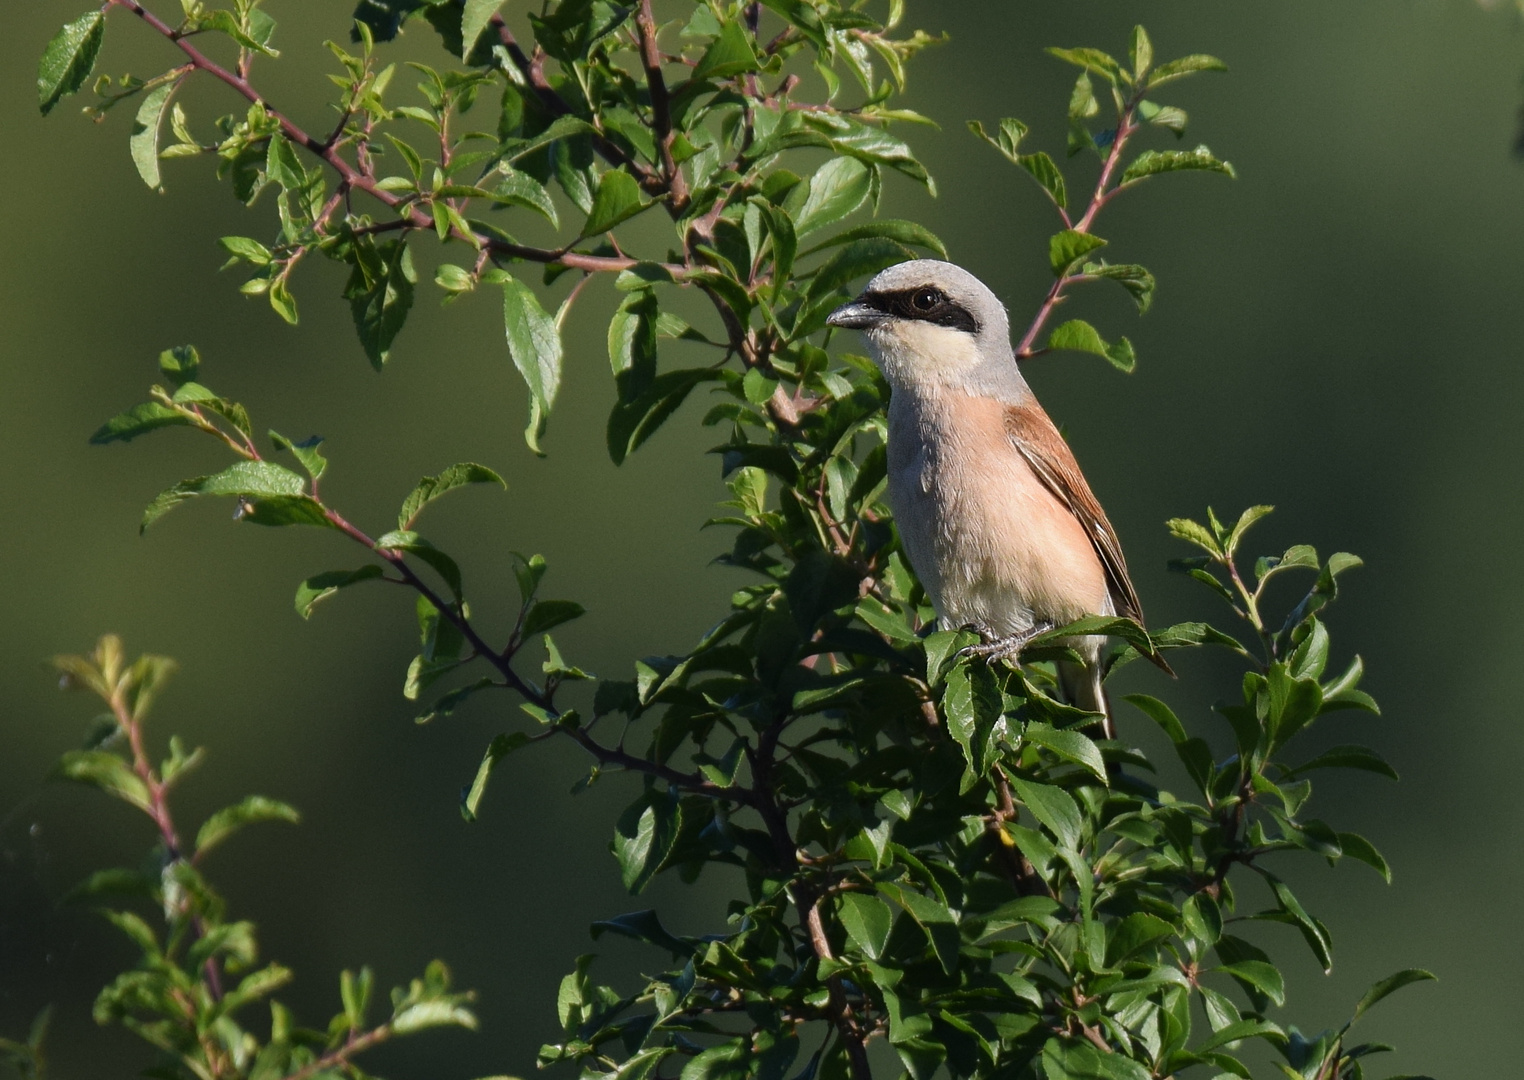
{"type": "Point", "coordinates": [993, 546]}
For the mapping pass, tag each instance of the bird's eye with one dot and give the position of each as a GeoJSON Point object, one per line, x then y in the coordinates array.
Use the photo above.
{"type": "Point", "coordinates": [925, 299]}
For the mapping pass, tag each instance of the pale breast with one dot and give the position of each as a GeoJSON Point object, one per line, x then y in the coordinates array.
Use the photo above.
{"type": "Point", "coordinates": [993, 546]}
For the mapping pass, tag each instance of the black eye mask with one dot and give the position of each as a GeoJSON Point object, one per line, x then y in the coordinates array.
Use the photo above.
{"type": "Point", "coordinates": [925, 303]}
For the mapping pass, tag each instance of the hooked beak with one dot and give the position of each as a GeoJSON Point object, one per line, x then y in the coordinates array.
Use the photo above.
{"type": "Point", "coordinates": [856, 315]}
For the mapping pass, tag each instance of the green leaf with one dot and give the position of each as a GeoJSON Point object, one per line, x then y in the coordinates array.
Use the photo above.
{"type": "Point", "coordinates": [1186, 65]}
{"type": "Point", "coordinates": [1054, 807]}
{"type": "Point", "coordinates": [249, 250]}
{"type": "Point", "coordinates": [632, 343]}
{"type": "Point", "coordinates": [1315, 933]}
{"type": "Point", "coordinates": [321, 586]}
{"type": "Point", "coordinates": [933, 917]}
{"type": "Point", "coordinates": [860, 258]}
{"type": "Point", "coordinates": [644, 836]}
{"type": "Point", "coordinates": [1069, 745]}
{"type": "Point", "coordinates": [1045, 171]}
{"type": "Point", "coordinates": [284, 166]}
{"type": "Point", "coordinates": [1135, 279]}
{"type": "Point", "coordinates": [1242, 1029]}
{"type": "Point", "coordinates": [534, 342]}
{"type": "Point", "coordinates": [549, 614]}
{"type": "Point", "coordinates": [441, 1012]}
{"type": "Point", "coordinates": [1194, 532]}
{"type": "Point", "coordinates": [1081, 1061]}
{"type": "Point", "coordinates": [280, 510]}
{"type": "Point", "coordinates": [225, 22]}
{"type": "Point", "coordinates": [1079, 336]}
{"type": "Point", "coordinates": [644, 926]}
{"type": "Point", "coordinates": [69, 59]}
{"type": "Point", "coordinates": [1389, 985]}
{"type": "Point", "coordinates": [180, 365]}
{"type": "Point", "coordinates": [1133, 934]}
{"type": "Point", "coordinates": [417, 546]}
{"type": "Point", "coordinates": [1360, 849]}
{"type": "Point", "coordinates": [454, 279]}
{"type": "Point", "coordinates": [561, 128]}
{"type": "Point", "coordinates": [305, 452]}
{"type": "Point", "coordinates": [281, 300]}
{"type": "Point", "coordinates": [380, 294]}
{"type": "Point", "coordinates": [473, 21]}
{"type": "Point", "coordinates": [144, 142]}
{"type": "Point", "coordinates": [728, 1060]}
{"type": "Point", "coordinates": [1263, 976]}
{"type": "Point", "coordinates": [972, 704]}
{"type": "Point", "coordinates": [867, 920]}
{"type": "Point", "coordinates": [117, 882]}
{"type": "Point", "coordinates": [632, 423]}
{"type": "Point", "coordinates": [1347, 757]}
{"type": "Point", "coordinates": [1140, 52]}
{"type": "Point", "coordinates": [138, 420]}
{"type": "Point", "coordinates": [838, 188]}
{"type": "Point", "coordinates": [106, 771]}
{"type": "Point", "coordinates": [729, 54]}
{"type": "Point", "coordinates": [1093, 61]}
{"type": "Point", "coordinates": [252, 480]}
{"type": "Point", "coordinates": [1012, 131]}
{"type": "Point", "coordinates": [432, 487]}
{"type": "Point", "coordinates": [1202, 918]}
{"type": "Point", "coordinates": [942, 645]}
{"type": "Point", "coordinates": [225, 822]}
{"type": "Point", "coordinates": [520, 189]}
{"type": "Point", "coordinates": [195, 394]}
{"type": "Point", "coordinates": [1039, 165]}
{"type": "Point", "coordinates": [499, 748]}
{"type": "Point", "coordinates": [1153, 162]}
{"type": "Point", "coordinates": [1068, 247]}
{"type": "Point", "coordinates": [905, 232]}
{"type": "Point", "coordinates": [618, 198]}
{"type": "Point", "coordinates": [1165, 116]}
{"type": "Point", "coordinates": [1160, 714]}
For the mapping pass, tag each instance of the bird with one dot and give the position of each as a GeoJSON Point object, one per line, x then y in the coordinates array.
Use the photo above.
{"type": "Point", "coordinates": [993, 512]}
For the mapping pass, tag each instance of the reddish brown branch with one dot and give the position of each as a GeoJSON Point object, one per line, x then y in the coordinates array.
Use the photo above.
{"type": "Point", "coordinates": [661, 107]}
{"type": "Point", "coordinates": [413, 214]}
{"type": "Point", "coordinates": [1098, 199]}
{"type": "Point", "coordinates": [503, 662]}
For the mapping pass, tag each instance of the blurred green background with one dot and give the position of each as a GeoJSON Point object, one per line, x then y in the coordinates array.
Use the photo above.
{"type": "Point", "coordinates": [1339, 332]}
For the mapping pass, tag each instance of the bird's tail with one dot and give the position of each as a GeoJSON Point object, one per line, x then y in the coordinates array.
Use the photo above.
{"type": "Point", "coordinates": [1082, 685]}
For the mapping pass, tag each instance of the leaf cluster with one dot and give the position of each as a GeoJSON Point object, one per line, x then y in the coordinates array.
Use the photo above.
{"type": "Point", "coordinates": [198, 975]}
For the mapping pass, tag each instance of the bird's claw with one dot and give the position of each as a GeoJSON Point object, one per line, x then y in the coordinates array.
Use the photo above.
{"type": "Point", "coordinates": [1008, 647]}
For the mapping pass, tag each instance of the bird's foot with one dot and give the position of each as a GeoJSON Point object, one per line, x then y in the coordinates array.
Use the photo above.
{"type": "Point", "coordinates": [1008, 647]}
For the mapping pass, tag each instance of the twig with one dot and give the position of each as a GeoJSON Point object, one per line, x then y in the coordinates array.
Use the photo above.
{"type": "Point", "coordinates": [357, 179]}
{"type": "Point", "coordinates": [341, 1057]}
{"type": "Point", "coordinates": [1098, 199]}
{"type": "Point", "coordinates": [503, 662]}
{"type": "Point", "coordinates": [661, 107]}
{"type": "Point", "coordinates": [158, 811]}
{"type": "Point", "coordinates": [1013, 862]}
{"type": "Point", "coordinates": [531, 69]}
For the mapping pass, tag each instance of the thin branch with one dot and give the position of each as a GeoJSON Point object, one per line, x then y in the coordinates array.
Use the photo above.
{"type": "Point", "coordinates": [341, 1057]}
{"type": "Point", "coordinates": [355, 178]}
{"type": "Point", "coordinates": [1098, 199]}
{"type": "Point", "coordinates": [503, 662]}
{"type": "Point", "coordinates": [531, 70]}
{"type": "Point", "coordinates": [158, 811]}
{"type": "Point", "coordinates": [1013, 862]}
{"type": "Point", "coordinates": [661, 107]}
{"type": "Point", "coordinates": [840, 1011]}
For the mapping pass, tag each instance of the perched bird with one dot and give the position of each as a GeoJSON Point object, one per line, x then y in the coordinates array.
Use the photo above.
{"type": "Point", "coordinates": [995, 516]}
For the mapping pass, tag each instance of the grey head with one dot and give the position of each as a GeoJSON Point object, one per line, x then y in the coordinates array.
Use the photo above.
{"type": "Point", "coordinates": [931, 325]}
